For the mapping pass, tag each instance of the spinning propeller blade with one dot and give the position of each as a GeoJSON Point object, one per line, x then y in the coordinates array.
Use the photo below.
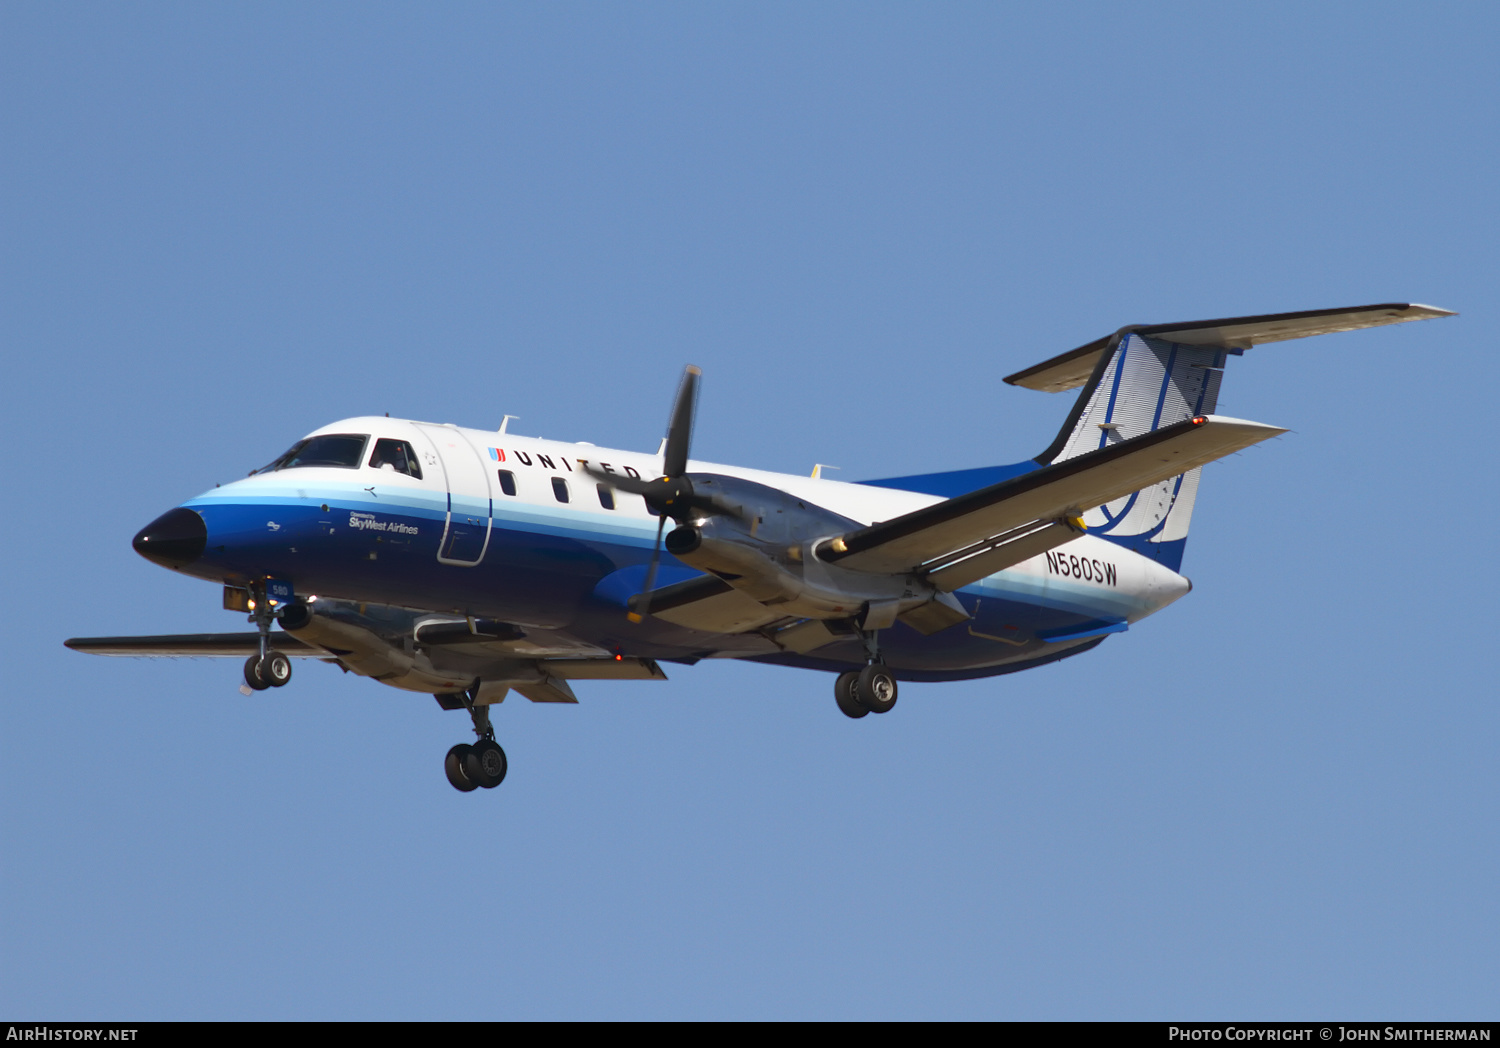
{"type": "Point", "coordinates": [671, 495]}
{"type": "Point", "coordinates": [638, 616]}
{"type": "Point", "coordinates": [680, 429]}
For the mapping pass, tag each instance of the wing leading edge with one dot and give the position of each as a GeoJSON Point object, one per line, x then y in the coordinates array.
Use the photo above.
{"type": "Point", "coordinates": [195, 645]}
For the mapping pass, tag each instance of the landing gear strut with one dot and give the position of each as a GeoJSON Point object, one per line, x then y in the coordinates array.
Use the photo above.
{"type": "Point", "coordinates": [482, 764]}
{"type": "Point", "coordinates": [870, 690]}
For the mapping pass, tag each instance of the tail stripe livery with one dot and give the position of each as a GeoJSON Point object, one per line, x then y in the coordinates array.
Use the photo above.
{"type": "Point", "coordinates": [1147, 384]}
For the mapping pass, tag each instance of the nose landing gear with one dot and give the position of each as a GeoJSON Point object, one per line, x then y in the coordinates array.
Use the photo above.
{"type": "Point", "coordinates": [266, 668]}
{"type": "Point", "coordinates": [271, 670]}
{"type": "Point", "coordinates": [483, 764]}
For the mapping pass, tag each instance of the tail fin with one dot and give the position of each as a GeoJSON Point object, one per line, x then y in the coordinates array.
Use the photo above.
{"type": "Point", "coordinates": [1144, 377]}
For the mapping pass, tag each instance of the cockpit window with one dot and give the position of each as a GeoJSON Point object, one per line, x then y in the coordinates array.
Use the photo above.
{"type": "Point", "coordinates": [397, 456]}
{"type": "Point", "coordinates": [343, 450]}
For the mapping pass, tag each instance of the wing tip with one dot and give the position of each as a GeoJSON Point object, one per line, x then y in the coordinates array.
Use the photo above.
{"type": "Point", "coordinates": [1246, 424]}
{"type": "Point", "coordinates": [1430, 312]}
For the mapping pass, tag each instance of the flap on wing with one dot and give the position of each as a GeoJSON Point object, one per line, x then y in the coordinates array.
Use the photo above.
{"type": "Point", "coordinates": [1064, 489]}
{"type": "Point", "coordinates": [1073, 368]}
{"type": "Point", "coordinates": [549, 689]}
{"type": "Point", "coordinates": [195, 645]}
{"type": "Point", "coordinates": [546, 680]}
{"type": "Point", "coordinates": [706, 603]}
{"type": "Point", "coordinates": [622, 668]}
{"type": "Point", "coordinates": [679, 594]}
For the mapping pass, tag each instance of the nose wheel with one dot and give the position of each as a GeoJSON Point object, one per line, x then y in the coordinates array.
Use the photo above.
{"type": "Point", "coordinates": [870, 690]}
{"type": "Point", "coordinates": [482, 764]}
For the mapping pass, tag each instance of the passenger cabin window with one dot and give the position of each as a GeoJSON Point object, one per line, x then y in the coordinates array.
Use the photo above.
{"type": "Point", "coordinates": [606, 496]}
{"type": "Point", "coordinates": [342, 450]}
{"type": "Point", "coordinates": [560, 489]}
{"type": "Point", "coordinates": [507, 482]}
{"type": "Point", "coordinates": [396, 456]}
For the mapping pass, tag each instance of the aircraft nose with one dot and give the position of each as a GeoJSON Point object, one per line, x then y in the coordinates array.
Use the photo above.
{"type": "Point", "coordinates": [174, 540]}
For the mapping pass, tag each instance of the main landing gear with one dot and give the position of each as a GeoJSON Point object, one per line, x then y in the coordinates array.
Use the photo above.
{"type": "Point", "coordinates": [483, 764]}
{"type": "Point", "coordinates": [870, 690]}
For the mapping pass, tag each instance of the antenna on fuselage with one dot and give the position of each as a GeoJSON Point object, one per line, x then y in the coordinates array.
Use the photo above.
{"type": "Point", "coordinates": [818, 468]}
{"type": "Point", "coordinates": [506, 421]}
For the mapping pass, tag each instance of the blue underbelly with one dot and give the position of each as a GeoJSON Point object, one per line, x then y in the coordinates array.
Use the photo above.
{"type": "Point", "coordinates": [554, 574]}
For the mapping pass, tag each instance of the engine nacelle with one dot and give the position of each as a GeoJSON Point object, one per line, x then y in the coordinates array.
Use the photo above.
{"type": "Point", "coordinates": [764, 550]}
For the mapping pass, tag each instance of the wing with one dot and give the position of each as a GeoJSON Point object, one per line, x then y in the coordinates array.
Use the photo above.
{"type": "Point", "coordinates": [195, 645]}
{"type": "Point", "coordinates": [1039, 510]}
{"type": "Point", "coordinates": [363, 652]}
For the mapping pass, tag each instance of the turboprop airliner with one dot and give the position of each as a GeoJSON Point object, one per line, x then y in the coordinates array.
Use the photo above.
{"type": "Point", "coordinates": [469, 564]}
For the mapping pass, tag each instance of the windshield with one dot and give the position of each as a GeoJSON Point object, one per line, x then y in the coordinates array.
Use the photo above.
{"type": "Point", "coordinates": [343, 450]}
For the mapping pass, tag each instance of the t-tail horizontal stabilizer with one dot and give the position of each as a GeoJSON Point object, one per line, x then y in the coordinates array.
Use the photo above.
{"type": "Point", "coordinates": [1072, 369]}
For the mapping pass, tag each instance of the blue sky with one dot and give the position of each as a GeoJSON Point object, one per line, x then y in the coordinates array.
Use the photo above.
{"type": "Point", "coordinates": [225, 226]}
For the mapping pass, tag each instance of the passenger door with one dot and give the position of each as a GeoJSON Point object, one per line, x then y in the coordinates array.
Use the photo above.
{"type": "Point", "coordinates": [466, 532]}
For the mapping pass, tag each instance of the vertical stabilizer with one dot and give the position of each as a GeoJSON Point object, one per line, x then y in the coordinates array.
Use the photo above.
{"type": "Point", "coordinates": [1143, 385]}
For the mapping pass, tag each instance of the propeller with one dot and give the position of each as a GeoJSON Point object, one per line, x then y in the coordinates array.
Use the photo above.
{"type": "Point", "coordinates": [670, 495]}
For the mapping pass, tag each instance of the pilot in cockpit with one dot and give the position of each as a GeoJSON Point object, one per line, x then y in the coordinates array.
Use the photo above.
{"type": "Point", "coordinates": [394, 456]}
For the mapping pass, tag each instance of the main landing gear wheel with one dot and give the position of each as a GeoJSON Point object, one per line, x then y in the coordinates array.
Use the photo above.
{"type": "Point", "coordinates": [453, 765]}
{"type": "Point", "coordinates": [253, 677]}
{"type": "Point", "coordinates": [275, 669]}
{"type": "Point", "coordinates": [485, 764]}
{"type": "Point", "coordinates": [843, 694]}
{"type": "Point", "coordinates": [876, 688]}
